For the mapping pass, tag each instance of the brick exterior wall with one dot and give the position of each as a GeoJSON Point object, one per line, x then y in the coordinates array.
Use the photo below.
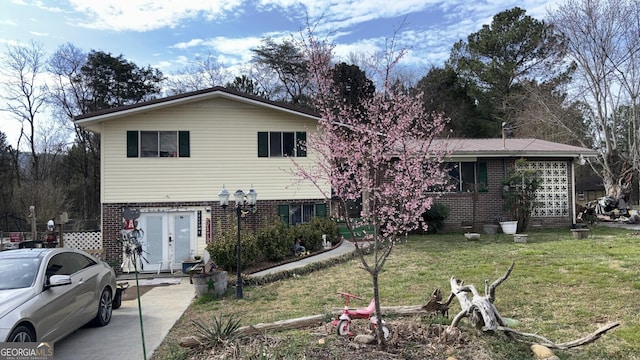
{"type": "Point", "coordinates": [112, 220]}
{"type": "Point", "coordinates": [464, 207]}
{"type": "Point", "coordinates": [488, 205]}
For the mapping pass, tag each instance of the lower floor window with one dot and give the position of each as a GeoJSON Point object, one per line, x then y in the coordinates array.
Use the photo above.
{"type": "Point", "coordinates": [293, 214]}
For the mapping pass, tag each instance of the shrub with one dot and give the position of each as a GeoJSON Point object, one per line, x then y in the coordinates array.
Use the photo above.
{"type": "Point", "coordinates": [275, 241]}
{"type": "Point", "coordinates": [327, 227]}
{"type": "Point", "coordinates": [223, 249]}
{"type": "Point", "coordinates": [311, 236]}
{"type": "Point", "coordinates": [311, 232]}
{"type": "Point", "coordinates": [435, 216]}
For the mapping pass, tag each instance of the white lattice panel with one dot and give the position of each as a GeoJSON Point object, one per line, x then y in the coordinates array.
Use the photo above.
{"type": "Point", "coordinates": [553, 193]}
{"type": "Point", "coordinates": [83, 240]}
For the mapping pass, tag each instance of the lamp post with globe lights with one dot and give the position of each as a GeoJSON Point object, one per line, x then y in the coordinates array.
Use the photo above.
{"type": "Point", "coordinates": [244, 203]}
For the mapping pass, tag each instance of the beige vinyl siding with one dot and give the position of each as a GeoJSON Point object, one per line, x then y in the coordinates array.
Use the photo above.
{"type": "Point", "coordinates": [223, 143]}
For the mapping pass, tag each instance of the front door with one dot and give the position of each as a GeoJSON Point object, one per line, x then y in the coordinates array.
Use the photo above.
{"type": "Point", "coordinates": [168, 239]}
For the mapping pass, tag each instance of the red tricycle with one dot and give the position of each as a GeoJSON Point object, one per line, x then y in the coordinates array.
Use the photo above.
{"type": "Point", "coordinates": [343, 323]}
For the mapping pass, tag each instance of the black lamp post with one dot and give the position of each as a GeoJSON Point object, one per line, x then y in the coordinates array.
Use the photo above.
{"type": "Point", "coordinates": [242, 200]}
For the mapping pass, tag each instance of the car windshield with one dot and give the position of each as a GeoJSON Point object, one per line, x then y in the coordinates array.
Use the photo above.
{"type": "Point", "coordinates": [17, 273]}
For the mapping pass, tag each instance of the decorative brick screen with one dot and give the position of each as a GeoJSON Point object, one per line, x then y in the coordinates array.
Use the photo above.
{"type": "Point", "coordinates": [553, 194]}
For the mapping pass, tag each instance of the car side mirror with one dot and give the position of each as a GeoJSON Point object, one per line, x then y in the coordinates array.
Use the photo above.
{"type": "Point", "coordinates": [59, 280]}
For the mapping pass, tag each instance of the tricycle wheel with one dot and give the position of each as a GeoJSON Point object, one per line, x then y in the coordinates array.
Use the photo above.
{"type": "Point", "coordinates": [343, 328]}
{"type": "Point", "coordinates": [385, 331]}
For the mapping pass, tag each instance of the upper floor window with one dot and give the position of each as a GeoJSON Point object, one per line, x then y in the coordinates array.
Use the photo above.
{"type": "Point", "coordinates": [158, 144]}
{"type": "Point", "coordinates": [280, 144]}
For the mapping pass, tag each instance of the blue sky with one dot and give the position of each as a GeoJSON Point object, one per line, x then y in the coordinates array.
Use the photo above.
{"type": "Point", "coordinates": [168, 34]}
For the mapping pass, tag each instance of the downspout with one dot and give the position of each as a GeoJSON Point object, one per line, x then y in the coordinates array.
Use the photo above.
{"type": "Point", "coordinates": [475, 201]}
{"type": "Point", "coordinates": [573, 191]}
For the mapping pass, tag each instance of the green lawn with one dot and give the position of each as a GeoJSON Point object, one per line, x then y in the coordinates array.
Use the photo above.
{"type": "Point", "coordinates": [560, 288]}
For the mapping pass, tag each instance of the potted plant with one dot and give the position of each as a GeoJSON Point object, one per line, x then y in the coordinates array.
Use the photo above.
{"type": "Point", "coordinates": [519, 194]}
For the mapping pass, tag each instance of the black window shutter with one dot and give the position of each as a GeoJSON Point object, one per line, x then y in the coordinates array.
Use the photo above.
{"type": "Point", "coordinates": [184, 146]}
{"type": "Point", "coordinates": [263, 144]}
{"type": "Point", "coordinates": [283, 212]}
{"type": "Point", "coordinates": [483, 184]}
{"type": "Point", "coordinates": [132, 144]}
{"type": "Point", "coordinates": [301, 144]}
{"type": "Point", "coordinates": [321, 210]}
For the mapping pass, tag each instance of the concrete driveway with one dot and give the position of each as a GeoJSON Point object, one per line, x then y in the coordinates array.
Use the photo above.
{"type": "Point", "coordinates": [162, 306]}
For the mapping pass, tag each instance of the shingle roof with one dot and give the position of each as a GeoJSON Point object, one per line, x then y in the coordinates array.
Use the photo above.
{"type": "Point", "coordinates": [217, 91]}
{"type": "Point", "coordinates": [498, 147]}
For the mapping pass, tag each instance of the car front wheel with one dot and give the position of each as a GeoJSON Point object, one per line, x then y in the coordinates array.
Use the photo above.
{"type": "Point", "coordinates": [22, 334]}
{"type": "Point", "coordinates": [105, 309]}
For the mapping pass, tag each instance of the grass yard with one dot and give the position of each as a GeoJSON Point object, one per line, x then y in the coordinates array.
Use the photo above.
{"type": "Point", "coordinates": [561, 288]}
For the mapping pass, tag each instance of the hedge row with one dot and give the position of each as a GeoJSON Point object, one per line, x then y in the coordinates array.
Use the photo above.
{"type": "Point", "coordinates": [272, 243]}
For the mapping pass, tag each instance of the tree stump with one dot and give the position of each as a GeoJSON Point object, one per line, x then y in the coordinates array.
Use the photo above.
{"type": "Point", "coordinates": [480, 309]}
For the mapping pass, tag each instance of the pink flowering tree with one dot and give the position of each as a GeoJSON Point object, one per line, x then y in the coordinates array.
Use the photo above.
{"type": "Point", "coordinates": [378, 151]}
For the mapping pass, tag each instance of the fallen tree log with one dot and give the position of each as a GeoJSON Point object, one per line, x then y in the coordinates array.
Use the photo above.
{"type": "Point", "coordinates": [562, 346]}
{"type": "Point", "coordinates": [307, 321]}
{"type": "Point", "coordinates": [287, 324]}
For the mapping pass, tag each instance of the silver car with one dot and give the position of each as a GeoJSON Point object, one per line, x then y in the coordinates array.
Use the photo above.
{"type": "Point", "coordinates": [46, 294]}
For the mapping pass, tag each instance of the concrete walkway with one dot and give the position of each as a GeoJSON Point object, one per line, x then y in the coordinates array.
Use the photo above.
{"type": "Point", "coordinates": [344, 248]}
{"type": "Point", "coordinates": [620, 225]}
{"type": "Point", "coordinates": [161, 307]}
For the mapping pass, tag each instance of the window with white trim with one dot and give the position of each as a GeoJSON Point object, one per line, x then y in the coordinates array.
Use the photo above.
{"type": "Point", "coordinates": [293, 214]}
{"type": "Point", "coordinates": [464, 176]}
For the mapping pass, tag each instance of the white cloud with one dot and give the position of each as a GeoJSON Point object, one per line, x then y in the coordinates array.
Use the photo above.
{"type": "Point", "coordinates": [43, 6]}
{"type": "Point", "coordinates": [38, 34]}
{"type": "Point", "coordinates": [229, 51]}
{"type": "Point", "coordinates": [188, 44]}
{"type": "Point", "coordinates": [365, 47]}
{"type": "Point", "coordinates": [146, 15]}
{"type": "Point", "coordinates": [239, 48]}
{"type": "Point", "coordinates": [340, 14]}
{"type": "Point", "coordinates": [163, 65]}
{"type": "Point", "coordinates": [8, 22]}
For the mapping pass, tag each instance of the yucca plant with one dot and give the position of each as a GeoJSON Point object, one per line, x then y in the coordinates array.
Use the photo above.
{"type": "Point", "coordinates": [219, 330]}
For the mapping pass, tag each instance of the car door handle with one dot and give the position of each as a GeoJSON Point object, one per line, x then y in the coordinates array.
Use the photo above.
{"type": "Point", "coordinates": [81, 281]}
